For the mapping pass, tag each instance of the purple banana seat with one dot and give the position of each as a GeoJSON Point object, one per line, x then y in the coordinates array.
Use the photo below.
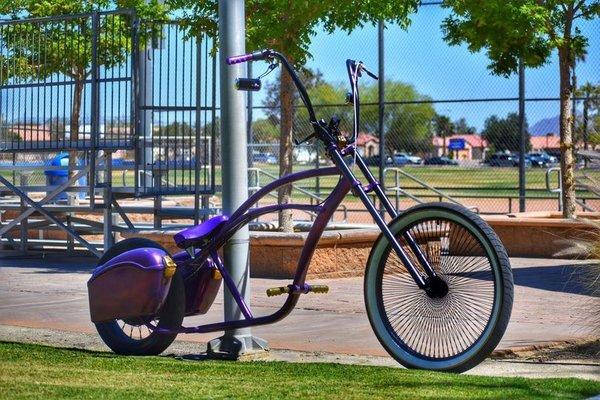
{"type": "Point", "coordinates": [198, 233]}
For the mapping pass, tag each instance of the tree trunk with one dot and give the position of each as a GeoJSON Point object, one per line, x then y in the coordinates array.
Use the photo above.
{"type": "Point", "coordinates": [444, 148]}
{"type": "Point", "coordinates": [586, 105]}
{"type": "Point", "coordinates": [566, 135]}
{"type": "Point", "coordinates": [74, 128]}
{"type": "Point", "coordinates": [285, 148]}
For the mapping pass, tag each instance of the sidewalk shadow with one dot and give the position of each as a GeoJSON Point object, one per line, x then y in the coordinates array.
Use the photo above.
{"type": "Point", "coordinates": [51, 263]}
{"type": "Point", "coordinates": [568, 278]}
{"type": "Point", "coordinates": [573, 279]}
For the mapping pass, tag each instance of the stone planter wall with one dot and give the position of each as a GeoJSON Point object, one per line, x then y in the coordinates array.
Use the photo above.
{"type": "Point", "coordinates": [340, 253]}
{"type": "Point", "coordinates": [344, 253]}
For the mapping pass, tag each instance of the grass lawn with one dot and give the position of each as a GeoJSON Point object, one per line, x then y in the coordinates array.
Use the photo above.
{"type": "Point", "coordinates": [485, 182]}
{"type": "Point", "coordinates": [32, 371]}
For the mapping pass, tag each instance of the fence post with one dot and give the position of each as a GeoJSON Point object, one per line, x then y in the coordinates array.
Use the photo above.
{"type": "Point", "coordinates": [249, 122]}
{"type": "Point", "coordinates": [234, 147]}
{"type": "Point", "coordinates": [95, 106]}
{"type": "Point", "coordinates": [107, 194]}
{"type": "Point", "coordinates": [522, 137]}
{"type": "Point", "coordinates": [381, 105]}
{"type": "Point", "coordinates": [198, 136]}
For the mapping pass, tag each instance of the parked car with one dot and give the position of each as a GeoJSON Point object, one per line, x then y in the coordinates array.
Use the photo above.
{"type": "Point", "coordinates": [400, 160]}
{"type": "Point", "coordinates": [440, 161]}
{"type": "Point", "coordinates": [540, 159]}
{"type": "Point", "coordinates": [265, 158]}
{"type": "Point", "coordinates": [411, 159]}
{"type": "Point", "coordinates": [506, 160]}
{"type": "Point", "coordinates": [374, 160]}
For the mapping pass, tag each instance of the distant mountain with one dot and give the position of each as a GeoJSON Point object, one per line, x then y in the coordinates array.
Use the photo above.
{"type": "Point", "coordinates": [544, 126]}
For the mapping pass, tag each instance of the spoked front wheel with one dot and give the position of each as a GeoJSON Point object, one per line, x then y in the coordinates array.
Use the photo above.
{"type": "Point", "coordinates": [458, 324]}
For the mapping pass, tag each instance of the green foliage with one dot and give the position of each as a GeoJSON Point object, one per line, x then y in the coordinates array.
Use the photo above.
{"type": "Point", "coordinates": [407, 126]}
{"type": "Point", "coordinates": [588, 122]}
{"type": "Point", "coordinates": [442, 126]}
{"type": "Point", "coordinates": [178, 129]}
{"type": "Point", "coordinates": [461, 127]}
{"type": "Point", "coordinates": [6, 134]}
{"type": "Point", "coordinates": [510, 30]}
{"type": "Point", "coordinates": [503, 133]}
{"type": "Point", "coordinates": [288, 26]}
{"type": "Point", "coordinates": [40, 50]}
{"type": "Point", "coordinates": [265, 130]}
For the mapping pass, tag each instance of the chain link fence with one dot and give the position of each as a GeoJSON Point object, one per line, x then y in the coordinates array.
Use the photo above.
{"type": "Point", "coordinates": [451, 128]}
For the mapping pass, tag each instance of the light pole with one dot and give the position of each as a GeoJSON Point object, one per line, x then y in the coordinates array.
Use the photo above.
{"type": "Point", "coordinates": [234, 149]}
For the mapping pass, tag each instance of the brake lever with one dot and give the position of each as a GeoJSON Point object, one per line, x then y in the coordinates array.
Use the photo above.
{"type": "Point", "coordinates": [372, 75]}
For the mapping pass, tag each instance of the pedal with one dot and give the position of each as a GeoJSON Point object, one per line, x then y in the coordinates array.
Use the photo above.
{"type": "Point", "coordinates": [319, 289]}
{"type": "Point", "coordinates": [295, 289]}
{"type": "Point", "coordinates": [276, 291]}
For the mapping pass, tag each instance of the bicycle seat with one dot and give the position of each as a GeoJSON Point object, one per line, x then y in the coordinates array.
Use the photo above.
{"type": "Point", "coordinates": [199, 233]}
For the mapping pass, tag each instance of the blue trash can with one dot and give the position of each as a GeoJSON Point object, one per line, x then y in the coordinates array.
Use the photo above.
{"type": "Point", "coordinates": [58, 177]}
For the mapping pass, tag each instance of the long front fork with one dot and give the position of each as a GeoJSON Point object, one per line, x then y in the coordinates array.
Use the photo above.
{"type": "Point", "coordinates": [362, 192]}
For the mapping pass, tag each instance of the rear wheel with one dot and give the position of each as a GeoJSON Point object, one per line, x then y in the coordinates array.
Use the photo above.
{"type": "Point", "coordinates": [132, 336]}
{"type": "Point", "coordinates": [460, 319]}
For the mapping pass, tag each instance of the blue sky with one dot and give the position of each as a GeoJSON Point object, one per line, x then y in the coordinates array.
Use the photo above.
{"type": "Point", "coordinates": [420, 56]}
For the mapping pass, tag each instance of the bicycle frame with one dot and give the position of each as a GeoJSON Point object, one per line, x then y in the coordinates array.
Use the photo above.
{"type": "Point", "coordinates": [348, 182]}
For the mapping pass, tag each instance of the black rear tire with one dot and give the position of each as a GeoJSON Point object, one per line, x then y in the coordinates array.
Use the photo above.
{"type": "Point", "coordinates": [170, 315]}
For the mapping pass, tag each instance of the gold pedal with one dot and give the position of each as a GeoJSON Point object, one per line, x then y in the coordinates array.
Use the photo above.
{"type": "Point", "coordinates": [276, 291]}
{"type": "Point", "coordinates": [319, 289]}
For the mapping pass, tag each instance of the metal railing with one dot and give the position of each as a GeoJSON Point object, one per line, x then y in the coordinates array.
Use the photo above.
{"type": "Point", "coordinates": [399, 191]}
{"type": "Point", "coordinates": [256, 186]}
{"type": "Point", "coordinates": [558, 189]}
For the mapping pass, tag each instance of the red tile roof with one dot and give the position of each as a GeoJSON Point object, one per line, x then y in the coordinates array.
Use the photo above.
{"type": "Point", "coordinates": [543, 142]}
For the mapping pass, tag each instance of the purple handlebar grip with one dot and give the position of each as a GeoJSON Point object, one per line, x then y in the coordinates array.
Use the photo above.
{"type": "Point", "coordinates": [239, 59]}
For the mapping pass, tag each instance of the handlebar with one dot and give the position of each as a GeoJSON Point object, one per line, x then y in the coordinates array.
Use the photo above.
{"type": "Point", "coordinates": [256, 56]}
{"type": "Point", "coordinates": [354, 72]}
{"type": "Point", "coordinates": [269, 54]}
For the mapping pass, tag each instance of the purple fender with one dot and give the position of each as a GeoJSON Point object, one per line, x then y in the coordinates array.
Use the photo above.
{"type": "Point", "coordinates": [202, 283]}
{"type": "Point", "coordinates": [131, 285]}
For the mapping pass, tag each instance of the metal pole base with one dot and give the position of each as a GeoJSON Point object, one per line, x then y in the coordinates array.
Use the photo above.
{"type": "Point", "coordinates": [236, 347]}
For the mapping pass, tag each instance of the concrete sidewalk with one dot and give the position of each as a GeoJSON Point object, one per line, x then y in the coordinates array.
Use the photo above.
{"type": "Point", "coordinates": [550, 306]}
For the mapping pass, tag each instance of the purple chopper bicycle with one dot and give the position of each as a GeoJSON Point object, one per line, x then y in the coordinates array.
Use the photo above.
{"type": "Point", "coordinates": [438, 285]}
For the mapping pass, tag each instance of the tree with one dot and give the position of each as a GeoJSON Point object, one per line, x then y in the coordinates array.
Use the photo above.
{"type": "Point", "coordinates": [443, 128]}
{"type": "Point", "coordinates": [320, 92]}
{"type": "Point", "coordinates": [503, 133]}
{"type": "Point", "coordinates": [591, 104]}
{"type": "Point", "coordinates": [67, 47]}
{"type": "Point", "coordinates": [528, 30]}
{"type": "Point", "coordinates": [410, 128]}
{"type": "Point", "coordinates": [178, 129]}
{"type": "Point", "coordinates": [406, 124]}
{"type": "Point", "coordinates": [461, 127]}
{"type": "Point", "coordinates": [265, 130]}
{"type": "Point", "coordinates": [6, 135]}
{"type": "Point", "coordinates": [288, 26]}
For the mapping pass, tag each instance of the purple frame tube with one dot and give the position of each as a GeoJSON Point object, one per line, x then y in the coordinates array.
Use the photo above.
{"type": "Point", "coordinates": [242, 216]}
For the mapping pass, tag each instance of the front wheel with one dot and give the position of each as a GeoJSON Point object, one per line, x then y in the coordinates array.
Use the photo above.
{"type": "Point", "coordinates": [453, 329]}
